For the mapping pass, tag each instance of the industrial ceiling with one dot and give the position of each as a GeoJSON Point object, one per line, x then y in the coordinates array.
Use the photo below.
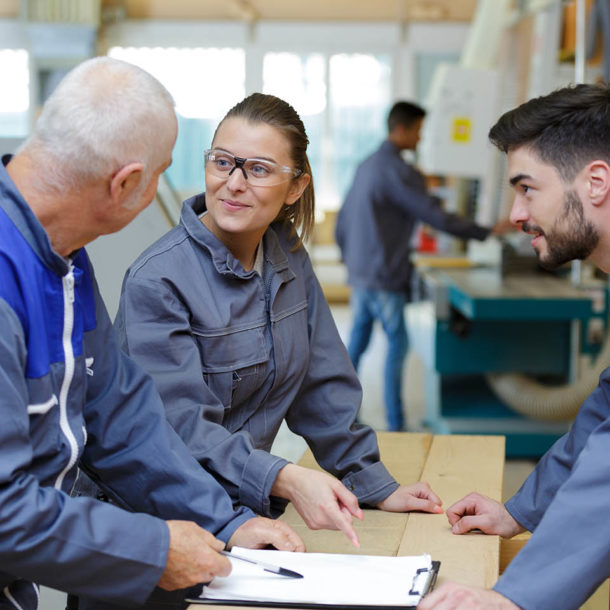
{"type": "Point", "coordinates": [280, 10]}
{"type": "Point", "coordinates": [310, 10]}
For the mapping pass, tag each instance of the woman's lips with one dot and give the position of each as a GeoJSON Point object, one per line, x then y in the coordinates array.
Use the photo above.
{"type": "Point", "coordinates": [234, 205]}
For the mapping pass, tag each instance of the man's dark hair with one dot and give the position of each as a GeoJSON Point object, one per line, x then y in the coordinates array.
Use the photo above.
{"type": "Point", "coordinates": [566, 129]}
{"type": "Point", "coordinates": [404, 113]}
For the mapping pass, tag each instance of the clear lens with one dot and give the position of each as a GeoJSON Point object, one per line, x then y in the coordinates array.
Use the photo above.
{"type": "Point", "coordinates": [259, 172]}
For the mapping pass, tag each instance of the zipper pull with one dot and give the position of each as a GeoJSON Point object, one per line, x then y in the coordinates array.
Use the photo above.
{"type": "Point", "coordinates": [69, 284]}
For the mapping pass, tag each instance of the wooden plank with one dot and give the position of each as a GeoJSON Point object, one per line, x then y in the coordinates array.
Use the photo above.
{"type": "Point", "coordinates": [454, 466]}
{"type": "Point", "coordinates": [457, 465]}
{"type": "Point", "coordinates": [380, 533]}
{"type": "Point", "coordinates": [509, 547]}
{"type": "Point", "coordinates": [600, 599]}
{"type": "Point", "coordinates": [404, 455]}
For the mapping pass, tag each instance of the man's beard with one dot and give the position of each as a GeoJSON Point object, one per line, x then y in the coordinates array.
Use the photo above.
{"type": "Point", "coordinates": [575, 243]}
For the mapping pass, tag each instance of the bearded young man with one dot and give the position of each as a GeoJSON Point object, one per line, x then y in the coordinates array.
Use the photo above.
{"type": "Point", "coordinates": [558, 150]}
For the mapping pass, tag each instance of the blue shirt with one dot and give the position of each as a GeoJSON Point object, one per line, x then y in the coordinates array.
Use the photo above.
{"type": "Point", "coordinates": [375, 226]}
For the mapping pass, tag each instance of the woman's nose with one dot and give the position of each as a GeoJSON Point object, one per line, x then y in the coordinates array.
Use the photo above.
{"type": "Point", "coordinates": [237, 179]}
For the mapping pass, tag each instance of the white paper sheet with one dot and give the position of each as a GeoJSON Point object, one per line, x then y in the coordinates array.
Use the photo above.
{"type": "Point", "coordinates": [327, 579]}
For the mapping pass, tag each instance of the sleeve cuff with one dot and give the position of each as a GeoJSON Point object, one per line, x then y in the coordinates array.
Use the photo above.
{"type": "Point", "coordinates": [512, 595]}
{"type": "Point", "coordinates": [242, 515]}
{"type": "Point", "coordinates": [371, 485]}
{"type": "Point", "coordinates": [515, 513]}
{"type": "Point", "coordinates": [258, 477]}
{"type": "Point", "coordinates": [160, 560]}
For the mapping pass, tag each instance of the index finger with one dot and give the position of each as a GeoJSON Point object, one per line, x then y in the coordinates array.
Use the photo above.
{"type": "Point", "coordinates": [342, 520]}
{"type": "Point", "coordinates": [465, 506]}
{"type": "Point", "coordinates": [348, 500]}
{"type": "Point", "coordinates": [287, 539]}
{"type": "Point", "coordinates": [425, 491]}
{"type": "Point", "coordinates": [212, 565]}
{"type": "Point", "coordinates": [210, 539]}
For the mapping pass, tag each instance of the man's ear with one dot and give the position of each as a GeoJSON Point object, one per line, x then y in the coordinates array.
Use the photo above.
{"type": "Point", "coordinates": [125, 181]}
{"type": "Point", "coordinates": [598, 182]}
{"type": "Point", "coordinates": [297, 188]}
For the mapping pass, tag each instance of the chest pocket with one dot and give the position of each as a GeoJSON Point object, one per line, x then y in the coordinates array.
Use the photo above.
{"type": "Point", "coordinates": [233, 362]}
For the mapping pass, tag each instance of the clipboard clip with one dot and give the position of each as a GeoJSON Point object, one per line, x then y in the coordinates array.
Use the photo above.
{"type": "Point", "coordinates": [424, 579]}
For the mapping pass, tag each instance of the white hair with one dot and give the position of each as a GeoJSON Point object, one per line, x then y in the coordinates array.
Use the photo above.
{"type": "Point", "coordinates": [104, 114]}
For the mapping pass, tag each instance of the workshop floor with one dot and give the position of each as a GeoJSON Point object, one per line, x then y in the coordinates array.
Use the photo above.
{"type": "Point", "coordinates": [372, 413]}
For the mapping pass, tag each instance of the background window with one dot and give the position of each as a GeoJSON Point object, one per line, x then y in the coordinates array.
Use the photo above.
{"type": "Point", "coordinates": [189, 75]}
{"type": "Point", "coordinates": [15, 98]}
{"type": "Point", "coordinates": [300, 80]}
{"type": "Point", "coordinates": [360, 96]}
{"type": "Point", "coordinates": [343, 100]}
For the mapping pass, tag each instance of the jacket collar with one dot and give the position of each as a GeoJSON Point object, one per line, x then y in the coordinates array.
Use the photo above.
{"type": "Point", "coordinates": [20, 213]}
{"type": "Point", "coordinates": [222, 258]}
{"type": "Point", "coordinates": [389, 147]}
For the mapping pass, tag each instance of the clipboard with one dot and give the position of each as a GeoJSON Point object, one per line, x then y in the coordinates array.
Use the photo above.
{"type": "Point", "coordinates": [422, 582]}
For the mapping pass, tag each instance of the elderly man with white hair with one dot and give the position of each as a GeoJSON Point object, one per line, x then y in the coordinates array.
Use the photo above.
{"type": "Point", "coordinates": [68, 396]}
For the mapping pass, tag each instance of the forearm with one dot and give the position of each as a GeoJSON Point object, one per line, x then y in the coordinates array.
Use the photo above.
{"type": "Point", "coordinates": [567, 555]}
{"type": "Point", "coordinates": [326, 409]}
{"type": "Point", "coordinates": [66, 543]}
{"type": "Point", "coordinates": [159, 476]}
{"type": "Point", "coordinates": [529, 505]}
{"type": "Point", "coordinates": [286, 482]}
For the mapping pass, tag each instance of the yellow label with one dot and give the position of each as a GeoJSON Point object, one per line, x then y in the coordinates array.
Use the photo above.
{"type": "Point", "coordinates": [461, 129]}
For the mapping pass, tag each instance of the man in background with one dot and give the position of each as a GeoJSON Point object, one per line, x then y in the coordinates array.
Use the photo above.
{"type": "Point", "coordinates": [68, 396]}
{"type": "Point", "coordinates": [386, 202]}
{"type": "Point", "coordinates": [558, 150]}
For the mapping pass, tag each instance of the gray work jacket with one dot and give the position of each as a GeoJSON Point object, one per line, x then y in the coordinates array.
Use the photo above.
{"type": "Point", "coordinates": [564, 502]}
{"type": "Point", "coordinates": [387, 200]}
{"type": "Point", "coordinates": [234, 354]}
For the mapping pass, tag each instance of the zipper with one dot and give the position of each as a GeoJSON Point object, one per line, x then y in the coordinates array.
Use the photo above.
{"type": "Point", "coordinates": [268, 277]}
{"type": "Point", "coordinates": [68, 290]}
{"type": "Point", "coordinates": [37, 591]}
{"type": "Point", "coordinates": [11, 599]}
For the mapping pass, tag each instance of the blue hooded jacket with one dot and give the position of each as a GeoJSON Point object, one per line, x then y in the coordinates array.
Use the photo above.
{"type": "Point", "coordinates": [68, 397]}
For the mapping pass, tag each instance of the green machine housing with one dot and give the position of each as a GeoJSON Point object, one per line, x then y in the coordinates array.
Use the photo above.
{"type": "Point", "coordinates": [477, 321]}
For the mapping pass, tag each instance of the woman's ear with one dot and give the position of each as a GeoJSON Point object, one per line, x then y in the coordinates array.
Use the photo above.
{"type": "Point", "coordinates": [125, 181]}
{"type": "Point", "coordinates": [296, 189]}
{"type": "Point", "coordinates": [598, 181]}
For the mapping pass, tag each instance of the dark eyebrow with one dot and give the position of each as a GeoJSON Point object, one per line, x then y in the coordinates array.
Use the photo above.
{"type": "Point", "coordinates": [516, 179]}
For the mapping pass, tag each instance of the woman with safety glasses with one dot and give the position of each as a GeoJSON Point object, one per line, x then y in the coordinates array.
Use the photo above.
{"type": "Point", "coordinates": [226, 314]}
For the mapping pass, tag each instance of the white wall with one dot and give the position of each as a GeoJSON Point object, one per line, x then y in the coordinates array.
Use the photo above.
{"type": "Point", "coordinates": [404, 43]}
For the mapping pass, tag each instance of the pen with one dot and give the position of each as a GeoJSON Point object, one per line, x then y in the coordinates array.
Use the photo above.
{"type": "Point", "coordinates": [266, 566]}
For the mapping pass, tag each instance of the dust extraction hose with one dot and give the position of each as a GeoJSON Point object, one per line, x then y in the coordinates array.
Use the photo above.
{"type": "Point", "coordinates": [549, 403]}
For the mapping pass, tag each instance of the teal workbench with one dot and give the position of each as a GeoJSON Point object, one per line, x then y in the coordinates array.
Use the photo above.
{"type": "Point", "coordinates": [474, 321]}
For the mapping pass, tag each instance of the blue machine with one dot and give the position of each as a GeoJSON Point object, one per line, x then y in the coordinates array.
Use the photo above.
{"type": "Point", "coordinates": [475, 322]}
